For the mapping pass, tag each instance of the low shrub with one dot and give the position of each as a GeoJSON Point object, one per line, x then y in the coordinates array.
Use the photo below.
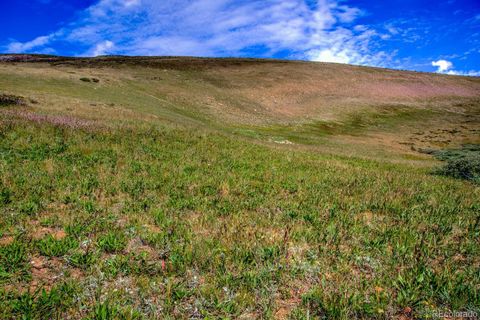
{"type": "Point", "coordinates": [465, 168]}
{"type": "Point", "coordinates": [85, 79]}
{"type": "Point", "coordinates": [461, 163]}
{"type": "Point", "coordinates": [11, 100]}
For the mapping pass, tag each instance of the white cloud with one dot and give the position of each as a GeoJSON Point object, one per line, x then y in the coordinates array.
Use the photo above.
{"type": "Point", "coordinates": [102, 48]}
{"type": "Point", "coordinates": [323, 32]}
{"type": "Point", "coordinates": [442, 65]}
{"type": "Point", "coordinates": [471, 73]}
{"type": "Point", "coordinates": [392, 29]}
{"type": "Point", "coordinates": [330, 55]}
{"type": "Point", "coordinates": [446, 67]}
{"type": "Point", "coordinates": [348, 14]}
{"type": "Point", "coordinates": [129, 3]}
{"type": "Point", "coordinates": [27, 46]}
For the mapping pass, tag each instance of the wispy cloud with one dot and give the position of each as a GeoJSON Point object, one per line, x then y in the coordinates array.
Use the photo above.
{"type": "Point", "coordinates": [323, 32]}
{"type": "Point", "coordinates": [39, 42]}
{"type": "Point", "coordinates": [471, 73]}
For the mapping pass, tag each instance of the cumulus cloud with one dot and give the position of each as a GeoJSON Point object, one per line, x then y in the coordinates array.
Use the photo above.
{"type": "Point", "coordinates": [323, 32]}
{"type": "Point", "coordinates": [330, 55]}
{"type": "Point", "coordinates": [442, 65]}
{"type": "Point", "coordinates": [446, 67]}
{"type": "Point", "coordinates": [102, 48]}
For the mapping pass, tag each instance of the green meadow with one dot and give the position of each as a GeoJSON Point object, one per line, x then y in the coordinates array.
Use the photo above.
{"type": "Point", "coordinates": [126, 199]}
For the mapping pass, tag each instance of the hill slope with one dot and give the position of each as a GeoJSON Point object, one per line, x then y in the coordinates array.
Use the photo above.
{"type": "Point", "coordinates": [135, 187]}
{"type": "Point", "coordinates": [269, 99]}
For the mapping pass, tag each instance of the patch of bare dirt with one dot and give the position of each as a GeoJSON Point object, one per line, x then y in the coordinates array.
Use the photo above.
{"type": "Point", "coordinates": [41, 232]}
{"type": "Point", "coordinates": [153, 228]}
{"type": "Point", "coordinates": [406, 314]}
{"type": "Point", "coordinates": [6, 240]}
{"type": "Point", "coordinates": [76, 273]}
{"type": "Point", "coordinates": [45, 272]}
{"type": "Point", "coordinates": [370, 218]}
{"type": "Point", "coordinates": [285, 305]}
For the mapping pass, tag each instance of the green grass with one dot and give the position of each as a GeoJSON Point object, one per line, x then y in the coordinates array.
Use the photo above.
{"type": "Point", "coordinates": [40, 304]}
{"type": "Point", "coordinates": [13, 260]}
{"type": "Point", "coordinates": [384, 119]}
{"type": "Point", "coordinates": [112, 242]}
{"type": "Point", "coordinates": [230, 227]}
{"type": "Point", "coordinates": [51, 247]}
{"type": "Point", "coordinates": [225, 189]}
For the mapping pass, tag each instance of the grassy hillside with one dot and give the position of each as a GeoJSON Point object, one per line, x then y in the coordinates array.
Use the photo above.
{"type": "Point", "coordinates": [268, 100]}
{"type": "Point", "coordinates": [143, 188]}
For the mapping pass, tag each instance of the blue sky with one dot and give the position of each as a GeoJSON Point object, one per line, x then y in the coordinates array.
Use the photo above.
{"type": "Point", "coordinates": [435, 36]}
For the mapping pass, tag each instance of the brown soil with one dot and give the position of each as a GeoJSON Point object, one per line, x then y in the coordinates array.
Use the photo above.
{"type": "Point", "coordinates": [45, 273]}
{"type": "Point", "coordinates": [42, 232]}
{"type": "Point", "coordinates": [6, 240]}
{"type": "Point", "coordinates": [286, 306]}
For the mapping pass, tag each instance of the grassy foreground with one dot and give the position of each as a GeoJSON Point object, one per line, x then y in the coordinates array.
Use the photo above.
{"type": "Point", "coordinates": [149, 208]}
{"type": "Point", "coordinates": [117, 223]}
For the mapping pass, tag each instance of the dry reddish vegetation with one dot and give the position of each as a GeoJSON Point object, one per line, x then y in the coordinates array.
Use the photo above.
{"type": "Point", "coordinates": [305, 89]}
{"type": "Point", "coordinates": [58, 120]}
